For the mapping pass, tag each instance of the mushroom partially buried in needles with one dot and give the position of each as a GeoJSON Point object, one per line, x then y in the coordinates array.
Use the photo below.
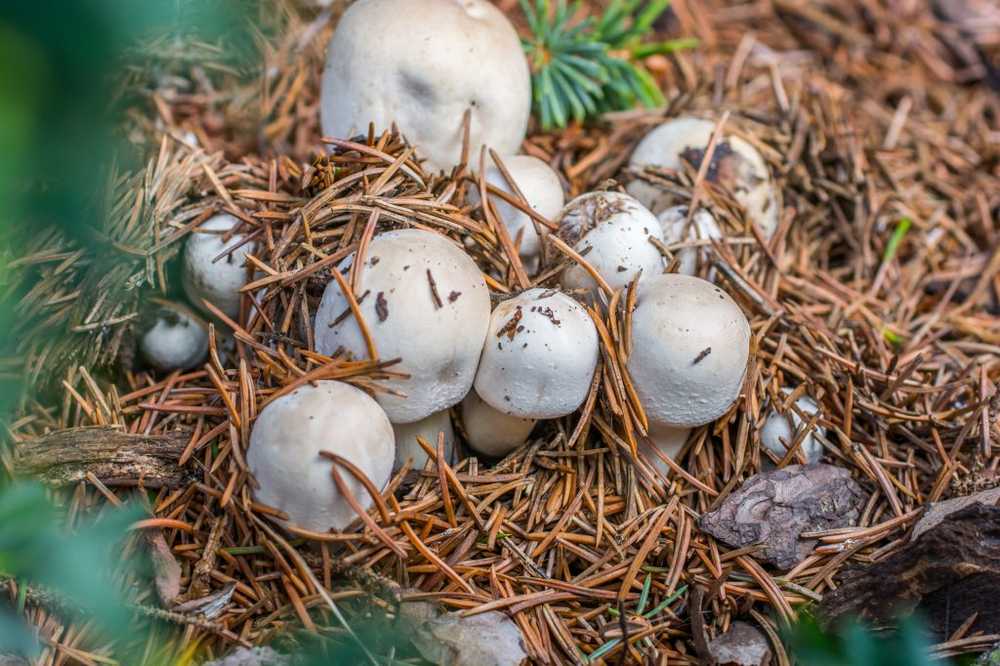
{"type": "Point", "coordinates": [779, 430]}
{"type": "Point", "coordinates": [677, 229]}
{"type": "Point", "coordinates": [542, 190]}
{"type": "Point", "coordinates": [490, 431]}
{"type": "Point", "coordinates": [425, 302]}
{"type": "Point", "coordinates": [429, 429]}
{"type": "Point", "coordinates": [611, 231]}
{"type": "Point", "coordinates": [690, 346]}
{"type": "Point", "coordinates": [422, 64]}
{"type": "Point", "coordinates": [662, 442]}
{"type": "Point", "coordinates": [174, 338]}
{"type": "Point", "coordinates": [286, 441]}
{"type": "Point", "coordinates": [209, 276]}
{"type": "Point", "coordinates": [735, 165]}
{"type": "Point", "coordinates": [539, 357]}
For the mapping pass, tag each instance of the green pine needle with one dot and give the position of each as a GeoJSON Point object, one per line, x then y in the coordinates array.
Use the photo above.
{"type": "Point", "coordinates": [583, 69]}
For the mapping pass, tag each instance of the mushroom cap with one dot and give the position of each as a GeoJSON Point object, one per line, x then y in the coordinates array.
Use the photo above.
{"type": "Point", "coordinates": [779, 430]}
{"type": "Point", "coordinates": [490, 432]}
{"type": "Point", "coordinates": [611, 230]}
{"type": "Point", "coordinates": [432, 61]}
{"type": "Point", "coordinates": [429, 429]}
{"type": "Point", "coordinates": [427, 304]}
{"type": "Point", "coordinates": [177, 340]}
{"type": "Point", "coordinates": [289, 434]}
{"type": "Point", "coordinates": [540, 186]}
{"type": "Point", "coordinates": [539, 357]}
{"type": "Point", "coordinates": [690, 346]}
{"type": "Point", "coordinates": [673, 223]}
{"type": "Point", "coordinates": [218, 282]}
{"type": "Point", "coordinates": [736, 165]}
{"type": "Point", "coordinates": [662, 441]}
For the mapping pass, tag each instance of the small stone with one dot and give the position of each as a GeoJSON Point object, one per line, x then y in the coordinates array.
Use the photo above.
{"type": "Point", "coordinates": [773, 508]}
{"type": "Point", "coordinates": [743, 645]}
{"type": "Point", "coordinates": [487, 639]}
{"type": "Point", "coordinates": [258, 656]}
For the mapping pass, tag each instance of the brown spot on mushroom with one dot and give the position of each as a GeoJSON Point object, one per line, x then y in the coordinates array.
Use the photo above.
{"type": "Point", "coordinates": [727, 168]}
{"type": "Point", "coordinates": [434, 292]}
{"type": "Point", "coordinates": [381, 307]}
{"type": "Point", "coordinates": [701, 356]}
{"type": "Point", "coordinates": [347, 311]}
{"type": "Point", "coordinates": [547, 312]}
{"type": "Point", "coordinates": [453, 296]}
{"type": "Point", "coordinates": [511, 327]}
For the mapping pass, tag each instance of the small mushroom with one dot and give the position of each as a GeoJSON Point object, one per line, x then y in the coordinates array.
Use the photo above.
{"type": "Point", "coordinates": [209, 276]}
{"type": "Point", "coordinates": [447, 57]}
{"type": "Point", "coordinates": [779, 430]}
{"type": "Point", "coordinates": [425, 302]}
{"type": "Point", "coordinates": [176, 338]}
{"type": "Point", "coordinates": [491, 432]}
{"type": "Point", "coordinates": [663, 442]}
{"type": "Point", "coordinates": [285, 445]}
{"type": "Point", "coordinates": [539, 357]}
{"type": "Point", "coordinates": [690, 346]}
{"type": "Point", "coordinates": [612, 231]}
{"type": "Point", "coordinates": [673, 222]}
{"type": "Point", "coordinates": [542, 190]}
{"type": "Point", "coordinates": [735, 166]}
{"type": "Point", "coordinates": [429, 429]}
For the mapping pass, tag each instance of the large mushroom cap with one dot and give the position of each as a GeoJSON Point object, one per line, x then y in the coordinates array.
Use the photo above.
{"type": "Point", "coordinates": [542, 189]}
{"type": "Point", "coordinates": [425, 302]}
{"type": "Point", "coordinates": [736, 165]}
{"type": "Point", "coordinates": [612, 231]}
{"type": "Point", "coordinates": [676, 229]}
{"type": "Point", "coordinates": [779, 430]}
{"type": "Point", "coordinates": [491, 432]}
{"type": "Point", "coordinates": [690, 346]}
{"type": "Point", "coordinates": [429, 429]}
{"type": "Point", "coordinates": [177, 339]}
{"type": "Point", "coordinates": [285, 444]}
{"type": "Point", "coordinates": [539, 356]}
{"type": "Point", "coordinates": [421, 64]}
{"type": "Point", "coordinates": [209, 276]}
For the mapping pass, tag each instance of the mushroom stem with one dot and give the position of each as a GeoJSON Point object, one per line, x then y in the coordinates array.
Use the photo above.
{"type": "Point", "coordinates": [491, 432]}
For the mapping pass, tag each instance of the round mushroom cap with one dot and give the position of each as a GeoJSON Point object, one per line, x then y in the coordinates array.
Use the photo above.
{"type": "Point", "coordinates": [429, 429]}
{"type": "Point", "coordinates": [421, 64]}
{"type": "Point", "coordinates": [177, 339]}
{"type": "Point", "coordinates": [539, 357]}
{"type": "Point", "coordinates": [612, 231]}
{"type": "Point", "coordinates": [673, 222]}
{"type": "Point", "coordinates": [425, 302]}
{"type": "Point", "coordinates": [285, 444]}
{"type": "Point", "coordinates": [736, 166]}
{"type": "Point", "coordinates": [490, 432]}
{"type": "Point", "coordinates": [217, 281]}
{"type": "Point", "coordinates": [542, 190]}
{"type": "Point", "coordinates": [778, 431]}
{"type": "Point", "coordinates": [663, 441]}
{"type": "Point", "coordinates": [690, 346]}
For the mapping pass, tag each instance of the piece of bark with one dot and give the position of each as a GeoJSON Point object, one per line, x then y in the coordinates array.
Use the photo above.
{"type": "Point", "coordinates": [948, 573]}
{"type": "Point", "coordinates": [743, 645]}
{"type": "Point", "coordinates": [938, 511]}
{"type": "Point", "coordinates": [773, 508]}
{"type": "Point", "coordinates": [115, 457]}
{"type": "Point", "coordinates": [166, 570]}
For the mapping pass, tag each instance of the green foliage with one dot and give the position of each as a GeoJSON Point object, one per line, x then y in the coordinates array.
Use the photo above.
{"type": "Point", "coordinates": [581, 69]}
{"type": "Point", "coordinates": [853, 644]}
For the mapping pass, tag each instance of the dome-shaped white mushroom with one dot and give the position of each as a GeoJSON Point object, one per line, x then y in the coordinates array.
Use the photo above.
{"type": "Point", "coordinates": [611, 231]}
{"type": "Point", "coordinates": [736, 166]}
{"type": "Point", "coordinates": [779, 430]}
{"type": "Point", "coordinates": [421, 64]}
{"type": "Point", "coordinates": [424, 301]}
{"type": "Point", "coordinates": [539, 356]}
{"type": "Point", "coordinates": [491, 432]}
{"type": "Point", "coordinates": [285, 444]}
{"type": "Point", "coordinates": [673, 222]}
{"type": "Point", "coordinates": [690, 346]}
{"type": "Point", "coordinates": [429, 429]}
{"type": "Point", "coordinates": [216, 280]}
{"type": "Point", "coordinates": [541, 188]}
{"type": "Point", "coordinates": [177, 339]}
{"type": "Point", "coordinates": [663, 441]}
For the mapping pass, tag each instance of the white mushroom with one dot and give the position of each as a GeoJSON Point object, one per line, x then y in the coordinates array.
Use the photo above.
{"type": "Point", "coordinates": [690, 346]}
{"type": "Point", "coordinates": [612, 231]}
{"type": "Point", "coordinates": [663, 442]}
{"type": "Point", "coordinates": [779, 430]}
{"type": "Point", "coordinates": [491, 432]}
{"type": "Point", "coordinates": [539, 356]}
{"type": "Point", "coordinates": [424, 301]}
{"type": "Point", "coordinates": [673, 222]}
{"type": "Point", "coordinates": [177, 339]}
{"type": "Point", "coordinates": [736, 166]}
{"type": "Point", "coordinates": [541, 188]}
{"type": "Point", "coordinates": [429, 429]}
{"type": "Point", "coordinates": [285, 445]}
{"type": "Point", "coordinates": [216, 280]}
{"type": "Point", "coordinates": [422, 64]}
